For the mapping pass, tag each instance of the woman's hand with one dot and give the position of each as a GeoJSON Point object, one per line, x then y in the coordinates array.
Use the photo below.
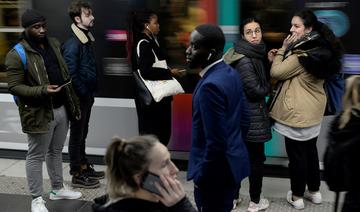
{"type": "Point", "coordinates": [289, 40]}
{"type": "Point", "coordinates": [271, 54]}
{"type": "Point", "coordinates": [172, 191]}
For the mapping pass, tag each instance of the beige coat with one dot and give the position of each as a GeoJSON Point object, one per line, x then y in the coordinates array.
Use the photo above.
{"type": "Point", "coordinates": [302, 100]}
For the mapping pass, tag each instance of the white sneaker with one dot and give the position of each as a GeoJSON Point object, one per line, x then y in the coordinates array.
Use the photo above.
{"type": "Point", "coordinates": [314, 197]}
{"type": "Point", "coordinates": [262, 205]}
{"type": "Point", "coordinates": [64, 193]}
{"type": "Point", "coordinates": [38, 205]}
{"type": "Point", "coordinates": [297, 204]}
{"type": "Point", "coordinates": [236, 203]}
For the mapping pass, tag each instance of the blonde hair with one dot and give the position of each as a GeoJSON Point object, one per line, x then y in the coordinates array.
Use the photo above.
{"type": "Point", "coordinates": [350, 99]}
{"type": "Point", "coordinates": [124, 159]}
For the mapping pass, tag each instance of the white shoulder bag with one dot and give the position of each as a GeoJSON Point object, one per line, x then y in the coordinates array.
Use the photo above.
{"type": "Point", "coordinates": [160, 88]}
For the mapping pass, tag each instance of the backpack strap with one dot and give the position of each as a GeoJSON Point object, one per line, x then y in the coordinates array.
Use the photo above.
{"type": "Point", "coordinates": [19, 48]}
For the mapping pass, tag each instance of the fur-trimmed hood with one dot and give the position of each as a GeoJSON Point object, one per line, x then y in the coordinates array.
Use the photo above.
{"type": "Point", "coordinates": [316, 56]}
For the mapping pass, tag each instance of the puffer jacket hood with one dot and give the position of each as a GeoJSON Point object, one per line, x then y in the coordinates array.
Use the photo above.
{"type": "Point", "coordinates": [232, 56]}
{"type": "Point", "coordinates": [316, 56]}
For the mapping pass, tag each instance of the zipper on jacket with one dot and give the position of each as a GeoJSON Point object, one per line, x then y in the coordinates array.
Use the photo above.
{"type": "Point", "coordinates": [38, 74]}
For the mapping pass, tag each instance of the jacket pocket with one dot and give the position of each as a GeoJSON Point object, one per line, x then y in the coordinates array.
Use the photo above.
{"type": "Point", "coordinates": [289, 100]}
{"type": "Point", "coordinates": [32, 117]}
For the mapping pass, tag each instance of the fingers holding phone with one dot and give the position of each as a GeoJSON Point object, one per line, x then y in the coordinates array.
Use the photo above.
{"type": "Point", "coordinates": [168, 189]}
{"type": "Point", "coordinates": [53, 89]}
{"type": "Point", "coordinates": [57, 88]}
{"type": "Point", "coordinates": [171, 190]}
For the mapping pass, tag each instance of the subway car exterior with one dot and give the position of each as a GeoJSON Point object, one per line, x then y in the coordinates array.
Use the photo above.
{"type": "Point", "coordinates": [114, 111]}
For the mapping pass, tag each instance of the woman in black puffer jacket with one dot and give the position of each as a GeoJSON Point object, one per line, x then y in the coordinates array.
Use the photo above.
{"type": "Point", "coordinates": [248, 57]}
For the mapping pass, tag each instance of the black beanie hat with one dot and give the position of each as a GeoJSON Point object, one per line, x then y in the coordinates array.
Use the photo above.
{"type": "Point", "coordinates": [30, 17]}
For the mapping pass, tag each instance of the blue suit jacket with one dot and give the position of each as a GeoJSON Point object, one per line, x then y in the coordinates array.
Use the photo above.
{"type": "Point", "coordinates": [220, 121]}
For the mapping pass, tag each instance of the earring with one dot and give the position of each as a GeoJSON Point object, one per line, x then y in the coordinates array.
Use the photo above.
{"type": "Point", "coordinates": [208, 58]}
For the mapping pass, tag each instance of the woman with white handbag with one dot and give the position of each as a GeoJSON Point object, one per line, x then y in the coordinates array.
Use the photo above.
{"type": "Point", "coordinates": [155, 84]}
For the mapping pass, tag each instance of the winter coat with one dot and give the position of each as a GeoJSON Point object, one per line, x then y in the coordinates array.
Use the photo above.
{"type": "Point", "coordinates": [30, 86]}
{"type": "Point", "coordinates": [79, 57]}
{"type": "Point", "coordinates": [301, 100]}
{"type": "Point", "coordinates": [256, 87]}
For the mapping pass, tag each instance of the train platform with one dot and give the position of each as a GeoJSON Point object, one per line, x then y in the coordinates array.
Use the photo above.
{"type": "Point", "coordinates": [14, 195]}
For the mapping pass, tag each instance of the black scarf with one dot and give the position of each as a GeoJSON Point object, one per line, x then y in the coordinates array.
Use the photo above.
{"type": "Point", "coordinates": [316, 55]}
{"type": "Point", "coordinates": [256, 53]}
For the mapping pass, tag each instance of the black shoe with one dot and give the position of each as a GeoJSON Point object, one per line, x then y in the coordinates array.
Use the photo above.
{"type": "Point", "coordinates": [92, 174]}
{"type": "Point", "coordinates": [83, 181]}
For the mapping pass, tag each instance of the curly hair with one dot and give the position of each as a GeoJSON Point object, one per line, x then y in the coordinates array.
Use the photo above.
{"type": "Point", "coordinates": [76, 7]}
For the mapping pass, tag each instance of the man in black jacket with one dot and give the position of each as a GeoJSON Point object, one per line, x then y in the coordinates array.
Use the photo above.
{"type": "Point", "coordinates": [78, 54]}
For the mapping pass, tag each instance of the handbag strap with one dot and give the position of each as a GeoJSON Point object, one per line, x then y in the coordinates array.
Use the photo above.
{"type": "Point", "coordinates": [138, 49]}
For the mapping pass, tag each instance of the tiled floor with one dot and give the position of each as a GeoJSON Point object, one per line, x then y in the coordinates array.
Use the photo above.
{"type": "Point", "coordinates": [13, 187]}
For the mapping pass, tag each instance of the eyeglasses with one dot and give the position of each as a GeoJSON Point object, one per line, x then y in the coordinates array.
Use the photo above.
{"type": "Point", "coordinates": [251, 32]}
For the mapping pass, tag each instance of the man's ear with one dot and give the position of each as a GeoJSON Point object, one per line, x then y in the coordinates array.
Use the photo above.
{"type": "Point", "coordinates": [77, 19]}
{"type": "Point", "coordinates": [213, 51]}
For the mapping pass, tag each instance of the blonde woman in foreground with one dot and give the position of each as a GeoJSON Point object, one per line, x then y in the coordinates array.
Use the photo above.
{"type": "Point", "coordinates": [135, 170]}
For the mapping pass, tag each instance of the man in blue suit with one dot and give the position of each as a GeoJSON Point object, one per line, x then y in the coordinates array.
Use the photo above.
{"type": "Point", "coordinates": [220, 120]}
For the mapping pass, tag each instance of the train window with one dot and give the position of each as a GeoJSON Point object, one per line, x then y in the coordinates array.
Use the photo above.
{"type": "Point", "coordinates": [10, 28]}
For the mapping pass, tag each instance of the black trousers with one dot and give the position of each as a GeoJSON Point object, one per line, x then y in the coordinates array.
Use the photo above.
{"type": "Point", "coordinates": [303, 165]}
{"type": "Point", "coordinates": [78, 133]}
{"type": "Point", "coordinates": [215, 191]}
{"type": "Point", "coordinates": [257, 158]}
{"type": "Point", "coordinates": [155, 119]}
{"type": "Point", "coordinates": [352, 202]}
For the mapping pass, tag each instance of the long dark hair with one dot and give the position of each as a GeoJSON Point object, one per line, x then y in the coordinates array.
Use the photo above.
{"type": "Point", "coordinates": [310, 20]}
{"type": "Point", "coordinates": [138, 19]}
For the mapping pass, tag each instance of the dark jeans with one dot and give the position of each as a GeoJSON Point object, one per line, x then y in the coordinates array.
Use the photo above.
{"type": "Point", "coordinates": [303, 165]}
{"type": "Point", "coordinates": [257, 158]}
{"type": "Point", "coordinates": [215, 191]}
{"type": "Point", "coordinates": [155, 119]}
{"type": "Point", "coordinates": [78, 133]}
{"type": "Point", "coordinates": [352, 202]}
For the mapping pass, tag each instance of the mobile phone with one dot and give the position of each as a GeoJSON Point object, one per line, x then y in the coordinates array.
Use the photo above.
{"type": "Point", "coordinates": [65, 83]}
{"type": "Point", "coordinates": [148, 182]}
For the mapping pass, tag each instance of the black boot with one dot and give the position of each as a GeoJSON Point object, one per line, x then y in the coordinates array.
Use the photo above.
{"type": "Point", "coordinates": [89, 171]}
{"type": "Point", "coordinates": [81, 180]}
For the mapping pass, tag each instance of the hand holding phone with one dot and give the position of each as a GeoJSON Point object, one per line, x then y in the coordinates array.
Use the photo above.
{"type": "Point", "coordinates": [148, 182]}
{"type": "Point", "coordinates": [172, 191]}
